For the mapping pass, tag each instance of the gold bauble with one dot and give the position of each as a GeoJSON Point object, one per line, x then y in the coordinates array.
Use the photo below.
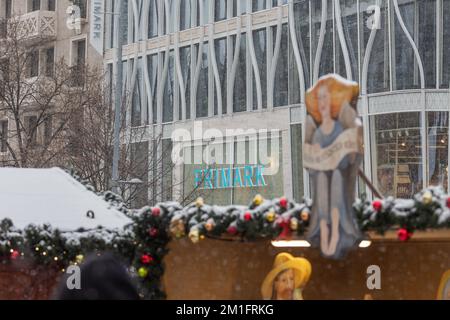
{"type": "Point", "coordinates": [271, 216]}
{"type": "Point", "coordinates": [258, 200]}
{"type": "Point", "coordinates": [199, 202]}
{"type": "Point", "coordinates": [194, 235]}
{"type": "Point", "coordinates": [427, 198]}
{"type": "Point", "coordinates": [143, 272]}
{"type": "Point", "coordinates": [79, 258]}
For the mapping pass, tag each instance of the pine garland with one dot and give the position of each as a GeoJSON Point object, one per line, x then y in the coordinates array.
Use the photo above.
{"type": "Point", "coordinates": [143, 244]}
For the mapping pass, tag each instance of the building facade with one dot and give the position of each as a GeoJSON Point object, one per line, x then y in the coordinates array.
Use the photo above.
{"type": "Point", "coordinates": [48, 37]}
{"type": "Point", "coordinates": [229, 64]}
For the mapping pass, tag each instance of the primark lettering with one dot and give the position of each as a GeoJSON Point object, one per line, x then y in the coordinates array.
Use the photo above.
{"type": "Point", "coordinates": [223, 178]}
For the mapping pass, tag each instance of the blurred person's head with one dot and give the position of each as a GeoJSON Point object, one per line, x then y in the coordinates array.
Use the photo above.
{"type": "Point", "coordinates": [101, 278]}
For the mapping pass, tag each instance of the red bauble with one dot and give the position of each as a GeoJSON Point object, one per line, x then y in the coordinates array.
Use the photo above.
{"type": "Point", "coordinates": [283, 203]}
{"type": "Point", "coordinates": [247, 216]}
{"type": "Point", "coordinates": [153, 232]}
{"type": "Point", "coordinates": [156, 211]}
{"type": "Point", "coordinates": [404, 235]}
{"type": "Point", "coordinates": [146, 259]}
{"type": "Point", "coordinates": [15, 254]}
{"type": "Point", "coordinates": [377, 205]}
{"type": "Point", "coordinates": [448, 203]}
{"type": "Point", "coordinates": [232, 230]}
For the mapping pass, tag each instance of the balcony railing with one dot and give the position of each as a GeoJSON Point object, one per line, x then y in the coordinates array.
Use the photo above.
{"type": "Point", "coordinates": [37, 26]}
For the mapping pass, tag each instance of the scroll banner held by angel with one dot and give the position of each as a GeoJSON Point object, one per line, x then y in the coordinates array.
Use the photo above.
{"type": "Point", "coordinates": [333, 151]}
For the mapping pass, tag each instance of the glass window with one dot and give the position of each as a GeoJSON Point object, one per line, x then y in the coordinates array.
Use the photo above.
{"type": "Point", "coordinates": [221, 58]}
{"type": "Point", "coordinates": [263, 163]}
{"type": "Point", "coordinates": [167, 170]}
{"type": "Point", "coordinates": [427, 39]}
{"type": "Point", "coordinates": [34, 5]}
{"type": "Point", "coordinates": [81, 4]}
{"type": "Point", "coordinates": [240, 84]}
{"type": "Point", "coordinates": [33, 63]}
{"type": "Point", "coordinates": [301, 15]}
{"type": "Point", "coordinates": [138, 169]}
{"type": "Point", "coordinates": [297, 161]}
{"type": "Point", "coordinates": [124, 22]}
{"type": "Point", "coordinates": [220, 10]}
{"type": "Point", "coordinates": [185, 62]}
{"type": "Point", "coordinates": [202, 89]}
{"type": "Point", "coordinates": [260, 43]}
{"type": "Point", "coordinates": [153, 19]}
{"type": "Point", "coordinates": [136, 115]}
{"type": "Point", "coordinates": [239, 7]}
{"type": "Point", "coordinates": [282, 70]}
{"type": "Point", "coordinates": [51, 5]}
{"type": "Point", "coordinates": [258, 5]}
{"type": "Point", "coordinates": [212, 182]}
{"type": "Point", "coordinates": [406, 68]}
{"type": "Point", "coordinates": [438, 148]}
{"type": "Point", "coordinates": [326, 60]}
{"type": "Point", "coordinates": [203, 12]}
{"type": "Point", "coordinates": [349, 20]}
{"type": "Point", "coordinates": [152, 65]}
{"type": "Point", "coordinates": [185, 14]}
{"type": "Point", "coordinates": [445, 44]}
{"type": "Point", "coordinates": [169, 89]}
{"type": "Point", "coordinates": [49, 61]}
{"type": "Point", "coordinates": [3, 135]}
{"type": "Point", "coordinates": [378, 70]}
{"type": "Point", "coordinates": [397, 154]}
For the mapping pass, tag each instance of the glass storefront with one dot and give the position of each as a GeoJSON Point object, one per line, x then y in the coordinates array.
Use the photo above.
{"type": "Point", "coordinates": [251, 166]}
{"type": "Point", "coordinates": [397, 154]}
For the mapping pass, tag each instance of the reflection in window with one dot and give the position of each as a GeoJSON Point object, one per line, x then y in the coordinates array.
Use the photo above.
{"type": "Point", "coordinates": [281, 73]}
{"type": "Point", "coordinates": [260, 43]}
{"type": "Point", "coordinates": [185, 14]}
{"type": "Point", "coordinates": [167, 170]}
{"type": "Point", "coordinates": [220, 10]}
{"type": "Point", "coordinates": [221, 58]}
{"type": "Point", "coordinates": [378, 71]}
{"type": "Point", "coordinates": [427, 40]}
{"type": "Point", "coordinates": [239, 7]}
{"type": "Point", "coordinates": [438, 148]}
{"type": "Point", "coordinates": [185, 62]}
{"type": "Point", "coordinates": [297, 161]}
{"type": "Point", "coordinates": [138, 168]}
{"type": "Point", "coordinates": [124, 22]}
{"type": "Point", "coordinates": [153, 19]}
{"type": "Point", "coordinates": [169, 89]}
{"type": "Point", "coordinates": [349, 19]}
{"type": "Point", "coordinates": [136, 118]}
{"type": "Point", "coordinates": [301, 14]}
{"type": "Point", "coordinates": [152, 66]}
{"type": "Point", "coordinates": [202, 89]}
{"type": "Point", "coordinates": [326, 61]}
{"type": "Point", "coordinates": [446, 44]}
{"type": "Point", "coordinates": [406, 67]}
{"type": "Point", "coordinates": [203, 12]}
{"type": "Point", "coordinates": [397, 159]}
{"type": "Point", "coordinates": [258, 5]}
{"type": "Point", "coordinates": [240, 84]}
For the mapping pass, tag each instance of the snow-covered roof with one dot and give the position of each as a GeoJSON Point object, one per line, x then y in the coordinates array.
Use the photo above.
{"type": "Point", "coordinates": [52, 196]}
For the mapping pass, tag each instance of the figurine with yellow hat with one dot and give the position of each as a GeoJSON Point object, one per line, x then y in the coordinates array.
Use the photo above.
{"type": "Point", "coordinates": [287, 279]}
{"type": "Point", "coordinates": [332, 155]}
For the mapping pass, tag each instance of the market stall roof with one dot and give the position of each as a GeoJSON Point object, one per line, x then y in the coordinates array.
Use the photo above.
{"type": "Point", "coordinates": [52, 196]}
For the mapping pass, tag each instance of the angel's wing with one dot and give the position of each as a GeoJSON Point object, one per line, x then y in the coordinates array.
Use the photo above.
{"type": "Point", "coordinates": [348, 117]}
{"type": "Point", "coordinates": [310, 128]}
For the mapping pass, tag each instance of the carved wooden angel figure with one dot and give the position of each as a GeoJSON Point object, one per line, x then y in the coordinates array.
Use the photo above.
{"type": "Point", "coordinates": [332, 155]}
